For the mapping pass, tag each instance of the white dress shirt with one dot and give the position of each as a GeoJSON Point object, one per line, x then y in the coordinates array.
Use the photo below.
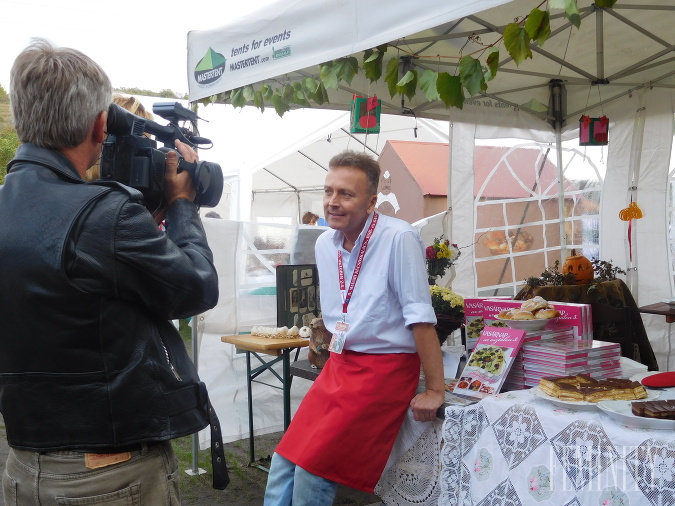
{"type": "Point", "coordinates": [392, 290]}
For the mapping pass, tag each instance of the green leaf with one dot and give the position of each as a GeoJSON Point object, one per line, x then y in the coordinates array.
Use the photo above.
{"type": "Point", "coordinates": [605, 3]}
{"type": "Point", "coordinates": [328, 76]}
{"type": "Point", "coordinates": [517, 42]}
{"type": "Point", "coordinates": [471, 75]}
{"type": "Point", "coordinates": [571, 10]}
{"type": "Point", "coordinates": [492, 64]}
{"type": "Point", "coordinates": [237, 98]}
{"type": "Point", "coordinates": [280, 105]}
{"type": "Point", "coordinates": [288, 93]}
{"type": "Point", "coordinates": [372, 64]}
{"type": "Point", "coordinates": [258, 101]}
{"type": "Point", "coordinates": [391, 77]}
{"type": "Point", "coordinates": [408, 84]}
{"type": "Point", "coordinates": [266, 91]}
{"type": "Point", "coordinates": [249, 93]}
{"type": "Point", "coordinates": [450, 90]}
{"type": "Point", "coordinates": [346, 68]}
{"type": "Point", "coordinates": [409, 76]}
{"type": "Point", "coordinates": [538, 26]}
{"type": "Point", "coordinates": [299, 96]}
{"type": "Point", "coordinates": [310, 84]}
{"type": "Point", "coordinates": [321, 95]}
{"type": "Point", "coordinates": [428, 85]}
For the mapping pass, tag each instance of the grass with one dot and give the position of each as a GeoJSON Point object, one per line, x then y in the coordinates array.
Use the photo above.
{"type": "Point", "coordinates": [5, 120]}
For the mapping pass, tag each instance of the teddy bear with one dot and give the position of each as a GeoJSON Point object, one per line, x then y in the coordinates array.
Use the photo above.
{"type": "Point", "coordinates": [319, 340]}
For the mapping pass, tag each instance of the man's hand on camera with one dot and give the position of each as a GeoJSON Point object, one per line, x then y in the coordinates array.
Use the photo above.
{"type": "Point", "coordinates": [179, 185]}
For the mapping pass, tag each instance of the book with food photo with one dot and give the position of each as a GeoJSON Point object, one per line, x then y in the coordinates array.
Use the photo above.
{"type": "Point", "coordinates": [490, 362]}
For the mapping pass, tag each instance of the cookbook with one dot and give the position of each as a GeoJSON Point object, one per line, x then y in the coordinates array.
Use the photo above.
{"type": "Point", "coordinates": [490, 362]}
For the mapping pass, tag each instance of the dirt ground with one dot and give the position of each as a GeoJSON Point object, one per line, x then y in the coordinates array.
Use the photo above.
{"type": "Point", "coordinates": [247, 484]}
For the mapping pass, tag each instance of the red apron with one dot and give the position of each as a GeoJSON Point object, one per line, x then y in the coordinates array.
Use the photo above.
{"type": "Point", "coordinates": [347, 423]}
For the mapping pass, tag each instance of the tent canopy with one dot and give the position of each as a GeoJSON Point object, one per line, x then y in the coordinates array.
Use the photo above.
{"type": "Point", "coordinates": [615, 52]}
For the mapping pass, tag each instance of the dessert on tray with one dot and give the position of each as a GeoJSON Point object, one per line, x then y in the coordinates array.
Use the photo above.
{"type": "Point", "coordinates": [280, 332]}
{"type": "Point", "coordinates": [664, 410]}
{"type": "Point", "coordinates": [536, 308]}
{"type": "Point", "coordinates": [584, 388]}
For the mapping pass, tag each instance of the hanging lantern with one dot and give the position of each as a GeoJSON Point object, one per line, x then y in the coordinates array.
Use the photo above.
{"type": "Point", "coordinates": [580, 266]}
{"type": "Point", "coordinates": [593, 131]}
{"type": "Point", "coordinates": [365, 115]}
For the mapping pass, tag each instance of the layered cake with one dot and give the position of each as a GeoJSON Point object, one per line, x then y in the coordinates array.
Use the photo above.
{"type": "Point", "coordinates": [584, 388]}
{"type": "Point", "coordinates": [664, 410]}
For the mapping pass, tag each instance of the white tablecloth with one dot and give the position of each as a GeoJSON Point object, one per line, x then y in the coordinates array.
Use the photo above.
{"type": "Point", "coordinates": [518, 449]}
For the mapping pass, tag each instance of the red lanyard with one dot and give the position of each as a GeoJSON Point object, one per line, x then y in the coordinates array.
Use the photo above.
{"type": "Point", "coordinates": [346, 297]}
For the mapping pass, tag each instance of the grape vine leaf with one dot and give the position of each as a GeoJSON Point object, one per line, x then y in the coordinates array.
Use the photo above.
{"type": "Point", "coordinates": [450, 90]}
{"type": "Point", "coordinates": [517, 43]}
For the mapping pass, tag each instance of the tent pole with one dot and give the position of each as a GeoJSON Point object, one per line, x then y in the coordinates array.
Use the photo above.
{"type": "Point", "coordinates": [561, 192]}
{"type": "Point", "coordinates": [557, 108]}
{"type": "Point", "coordinates": [195, 470]}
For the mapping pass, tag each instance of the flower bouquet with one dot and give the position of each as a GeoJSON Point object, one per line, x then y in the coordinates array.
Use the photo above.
{"type": "Point", "coordinates": [440, 256]}
{"type": "Point", "coordinates": [449, 309]}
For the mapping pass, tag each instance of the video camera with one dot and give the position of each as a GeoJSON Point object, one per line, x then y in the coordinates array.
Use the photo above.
{"type": "Point", "coordinates": [131, 158]}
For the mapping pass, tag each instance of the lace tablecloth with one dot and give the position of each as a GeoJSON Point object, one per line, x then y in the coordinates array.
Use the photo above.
{"type": "Point", "coordinates": [517, 449]}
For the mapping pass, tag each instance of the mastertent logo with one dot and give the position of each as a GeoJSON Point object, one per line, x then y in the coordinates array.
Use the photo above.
{"type": "Point", "coordinates": [210, 68]}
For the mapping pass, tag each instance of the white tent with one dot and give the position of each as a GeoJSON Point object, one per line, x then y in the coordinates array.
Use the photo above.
{"type": "Point", "coordinates": [618, 64]}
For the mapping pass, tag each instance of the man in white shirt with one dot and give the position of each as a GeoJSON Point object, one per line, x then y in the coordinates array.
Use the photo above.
{"type": "Point", "coordinates": [375, 300]}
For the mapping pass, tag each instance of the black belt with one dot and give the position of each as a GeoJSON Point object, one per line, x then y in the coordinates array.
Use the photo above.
{"type": "Point", "coordinates": [218, 464]}
{"type": "Point", "coordinates": [115, 449]}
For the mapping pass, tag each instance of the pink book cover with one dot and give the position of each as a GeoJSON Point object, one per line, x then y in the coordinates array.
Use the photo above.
{"type": "Point", "coordinates": [492, 307]}
{"type": "Point", "coordinates": [535, 362]}
{"type": "Point", "coordinates": [473, 320]}
{"type": "Point", "coordinates": [490, 362]}
{"type": "Point", "coordinates": [572, 315]}
{"type": "Point", "coordinates": [566, 349]}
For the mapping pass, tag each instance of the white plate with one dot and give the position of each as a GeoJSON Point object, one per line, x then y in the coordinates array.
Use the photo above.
{"type": "Point", "coordinates": [621, 412]}
{"type": "Point", "coordinates": [651, 395]}
{"type": "Point", "coordinates": [670, 301]}
{"type": "Point", "coordinates": [565, 404]}
{"type": "Point", "coordinates": [525, 324]}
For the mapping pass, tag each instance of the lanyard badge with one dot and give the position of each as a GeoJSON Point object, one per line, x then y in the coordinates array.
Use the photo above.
{"type": "Point", "coordinates": [337, 342]}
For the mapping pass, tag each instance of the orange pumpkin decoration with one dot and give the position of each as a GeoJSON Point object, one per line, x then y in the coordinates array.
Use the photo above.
{"type": "Point", "coordinates": [632, 212]}
{"type": "Point", "coordinates": [580, 266]}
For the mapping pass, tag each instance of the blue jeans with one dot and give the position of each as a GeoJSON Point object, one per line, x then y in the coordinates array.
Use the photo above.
{"type": "Point", "coordinates": [288, 484]}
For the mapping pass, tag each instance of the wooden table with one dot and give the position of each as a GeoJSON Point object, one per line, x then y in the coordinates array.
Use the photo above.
{"type": "Point", "coordinates": [280, 348]}
{"type": "Point", "coordinates": [660, 308]}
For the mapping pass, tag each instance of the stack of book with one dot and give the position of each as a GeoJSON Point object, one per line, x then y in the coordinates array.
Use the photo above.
{"type": "Point", "coordinates": [515, 380]}
{"type": "Point", "coordinates": [577, 316]}
{"type": "Point", "coordinates": [568, 357]}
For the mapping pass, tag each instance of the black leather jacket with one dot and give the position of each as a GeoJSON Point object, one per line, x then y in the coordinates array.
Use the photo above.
{"type": "Point", "coordinates": [88, 284]}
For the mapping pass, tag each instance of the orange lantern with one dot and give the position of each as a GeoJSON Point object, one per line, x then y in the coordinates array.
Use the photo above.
{"type": "Point", "coordinates": [580, 266]}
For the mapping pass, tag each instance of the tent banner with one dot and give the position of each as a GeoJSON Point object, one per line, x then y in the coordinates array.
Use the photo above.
{"type": "Point", "coordinates": [291, 35]}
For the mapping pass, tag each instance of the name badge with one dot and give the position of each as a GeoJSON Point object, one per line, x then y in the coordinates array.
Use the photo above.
{"type": "Point", "coordinates": [337, 342]}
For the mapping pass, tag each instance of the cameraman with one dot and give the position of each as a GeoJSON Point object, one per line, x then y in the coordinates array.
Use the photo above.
{"type": "Point", "coordinates": [94, 379]}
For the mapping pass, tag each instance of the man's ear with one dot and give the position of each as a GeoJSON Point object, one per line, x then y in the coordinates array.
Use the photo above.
{"type": "Point", "coordinates": [372, 203]}
{"type": "Point", "coordinates": [99, 127]}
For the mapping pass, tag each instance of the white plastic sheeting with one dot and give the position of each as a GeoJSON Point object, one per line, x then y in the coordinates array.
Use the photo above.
{"type": "Point", "coordinates": [244, 256]}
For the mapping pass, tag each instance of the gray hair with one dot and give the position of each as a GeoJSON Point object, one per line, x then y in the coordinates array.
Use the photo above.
{"type": "Point", "coordinates": [359, 161]}
{"type": "Point", "coordinates": [55, 95]}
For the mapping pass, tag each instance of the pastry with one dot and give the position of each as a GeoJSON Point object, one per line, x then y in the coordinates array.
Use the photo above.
{"type": "Point", "coordinates": [534, 304]}
{"type": "Point", "coordinates": [664, 410]}
{"type": "Point", "coordinates": [522, 315]}
{"type": "Point", "coordinates": [546, 314]}
{"type": "Point", "coordinates": [584, 388]}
